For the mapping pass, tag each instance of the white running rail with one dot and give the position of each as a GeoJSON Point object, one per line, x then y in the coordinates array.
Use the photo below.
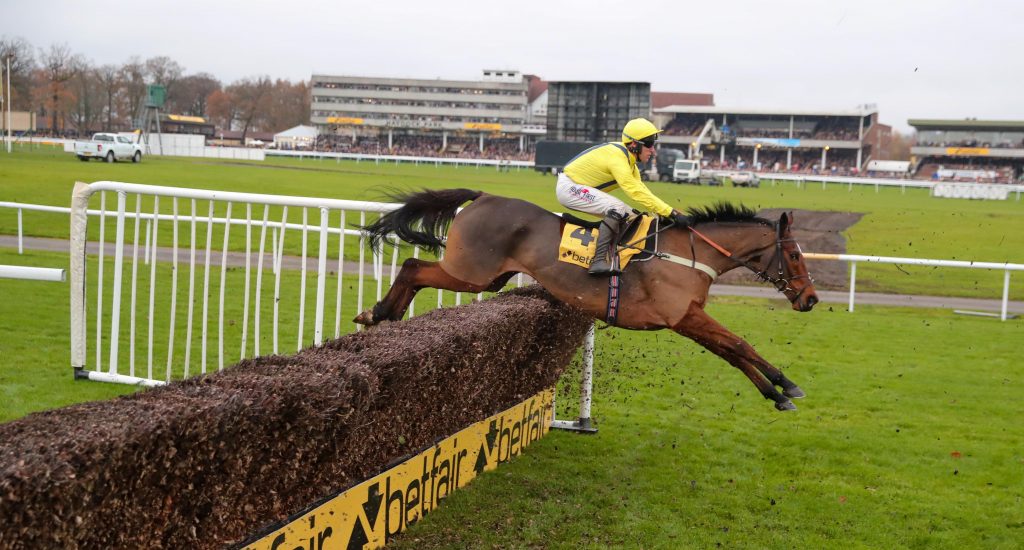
{"type": "Point", "coordinates": [259, 299]}
{"type": "Point", "coordinates": [854, 258]}
{"type": "Point", "coordinates": [32, 273]}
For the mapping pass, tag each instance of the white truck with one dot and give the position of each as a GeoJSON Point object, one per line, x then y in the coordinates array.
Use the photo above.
{"type": "Point", "coordinates": [686, 171]}
{"type": "Point", "coordinates": [690, 171]}
{"type": "Point", "coordinates": [108, 147]}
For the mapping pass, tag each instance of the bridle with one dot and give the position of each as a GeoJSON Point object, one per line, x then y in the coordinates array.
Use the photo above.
{"type": "Point", "coordinates": [780, 280]}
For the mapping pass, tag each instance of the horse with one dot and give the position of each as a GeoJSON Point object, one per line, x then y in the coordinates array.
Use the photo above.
{"type": "Point", "coordinates": [495, 237]}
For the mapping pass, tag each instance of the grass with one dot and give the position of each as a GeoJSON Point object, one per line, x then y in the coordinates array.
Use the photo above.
{"type": "Point", "coordinates": [908, 437]}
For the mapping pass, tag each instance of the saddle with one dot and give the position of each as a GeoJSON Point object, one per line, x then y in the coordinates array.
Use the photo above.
{"type": "Point", "coordinates": [579, 240]}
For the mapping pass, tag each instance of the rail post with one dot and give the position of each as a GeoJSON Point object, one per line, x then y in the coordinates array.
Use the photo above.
{"type": "Point", "coordinates": [1006, 295]}
{"type": "Point", "coordinates": [853, 282]}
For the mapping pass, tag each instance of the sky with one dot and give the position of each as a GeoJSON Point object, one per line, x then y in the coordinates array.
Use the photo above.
{"type": "Point", "coordinates": [912, 59]}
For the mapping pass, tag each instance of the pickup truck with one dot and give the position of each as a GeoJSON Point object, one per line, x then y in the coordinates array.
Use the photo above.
{"type": "Point", "coordinates": [109, 147]}
{"type": "Point", "coordinates": [690, 171]}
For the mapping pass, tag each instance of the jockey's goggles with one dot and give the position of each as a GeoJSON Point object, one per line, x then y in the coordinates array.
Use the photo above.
{"type": "Point", "coordinates": [649, 142]}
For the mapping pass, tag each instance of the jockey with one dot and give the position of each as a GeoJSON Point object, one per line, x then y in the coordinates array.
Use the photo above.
{"type": "Point", "coordinates": [582, 184]}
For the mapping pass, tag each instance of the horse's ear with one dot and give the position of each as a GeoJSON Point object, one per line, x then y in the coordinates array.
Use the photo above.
{"type": "Point", "coordinates": [785, 221]}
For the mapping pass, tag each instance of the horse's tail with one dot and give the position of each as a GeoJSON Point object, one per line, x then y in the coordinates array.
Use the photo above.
{"type": "Point", "coordinates": [433, 209]}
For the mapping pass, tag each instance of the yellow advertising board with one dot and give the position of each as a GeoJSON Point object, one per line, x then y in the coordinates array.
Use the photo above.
{"type": "Point", "coordinates": [967, 151]}
{"type": "Point", "coordinates": [483, 126]}
{"type": "Point", "coordinates": [343, 120]}
{"type": "Point", "coordinates": [186, 118]}
{"type": "Point", "coordinates": [371, 513]}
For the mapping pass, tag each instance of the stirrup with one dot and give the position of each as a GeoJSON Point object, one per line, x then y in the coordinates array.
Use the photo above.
{"type": "Point", "coordinates": [603, 268]}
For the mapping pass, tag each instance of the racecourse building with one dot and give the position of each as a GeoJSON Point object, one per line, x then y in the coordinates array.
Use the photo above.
{"type": "Point", "coordinates": [415, 116]}
{"type": "Point", "coordinates": [594, 111]}
{"type": "Point", "coordinates": [990, 151]}
{"type": "Point", "coordinates": [812, 141]}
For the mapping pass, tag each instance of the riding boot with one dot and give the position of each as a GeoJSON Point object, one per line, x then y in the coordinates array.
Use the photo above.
{"type": "Point", "coordinates": [604, 263]}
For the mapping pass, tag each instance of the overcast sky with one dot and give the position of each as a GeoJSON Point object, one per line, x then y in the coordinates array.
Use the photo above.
{"type": "Point", "coordinates": [913, 59]}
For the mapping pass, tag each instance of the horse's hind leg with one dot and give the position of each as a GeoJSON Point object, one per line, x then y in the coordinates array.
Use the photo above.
{"type": "Point", "coordinates": [414, 275]}
{"type": "Point", "coordinates": [698, 326]}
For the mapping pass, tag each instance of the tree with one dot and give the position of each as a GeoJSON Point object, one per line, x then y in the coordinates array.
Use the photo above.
{"type": "Point", "coordinates": [164, 71]}
{"type": "Point", "coordinates": [108, 78]}
{"type": "Point", "coordinates": [87, 110]}
{"type": "Point", "coordinates": [288, 106]}
{"type": "Point", "coordinates": [250, 97]}
{"type": "Point", "coordinates": [133, 78]}
{"type": "Point", "coordinates": [23, 64]}
{"type": "Point", "coordinates": [899, 147]}
{"type": "Point", "coordinates": [59, 66]}
{"type": "Point", "coordinates": [221, 110]}
{"type": "Point", "coordinates": [190, 94]}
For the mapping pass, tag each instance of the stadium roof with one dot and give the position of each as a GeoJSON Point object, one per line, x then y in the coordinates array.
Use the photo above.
{"type": "Point", "coordinates": [966, 124]}
{"type": "Point", "coordinates": [689, 109]}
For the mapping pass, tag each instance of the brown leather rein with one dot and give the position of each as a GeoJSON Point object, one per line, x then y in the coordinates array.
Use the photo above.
{"type": "Point", "coordinates": [780, 281]}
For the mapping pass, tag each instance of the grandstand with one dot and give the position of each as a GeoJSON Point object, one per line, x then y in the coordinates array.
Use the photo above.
{"type": "Point", "coordinates": [479, 118]}
{"type": "Point", "coordinates": [838, 142]}
{"type": "Point", "coordinates": [987, 151]}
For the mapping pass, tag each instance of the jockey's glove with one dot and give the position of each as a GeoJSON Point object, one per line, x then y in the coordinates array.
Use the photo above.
{"type": "Point", "coordinates": [680, 219]}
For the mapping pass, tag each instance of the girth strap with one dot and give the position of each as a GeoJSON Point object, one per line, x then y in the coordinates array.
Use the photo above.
{"type": "Point", "coordinates": [612, 313]}
{"type": "Point", "coordinates": [689, 263]}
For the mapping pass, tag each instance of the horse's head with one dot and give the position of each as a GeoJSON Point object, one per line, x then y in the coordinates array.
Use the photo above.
{"type": "Point", "coordinates": [785, 268]}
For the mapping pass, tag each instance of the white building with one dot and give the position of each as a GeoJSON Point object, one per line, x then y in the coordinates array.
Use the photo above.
{"type": "Point", "coordinates": [494, 107]}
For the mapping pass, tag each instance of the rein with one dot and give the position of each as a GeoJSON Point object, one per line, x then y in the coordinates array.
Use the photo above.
{"type": "Point", "coordinates": [780, 281]}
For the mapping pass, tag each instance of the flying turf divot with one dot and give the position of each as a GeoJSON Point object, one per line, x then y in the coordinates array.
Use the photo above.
{"type": "Point", "coordinates": [371, 513]}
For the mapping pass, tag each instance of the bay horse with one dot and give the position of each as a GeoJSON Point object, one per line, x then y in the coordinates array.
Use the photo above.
{"type": "Point", "coordinates": [495, 237]}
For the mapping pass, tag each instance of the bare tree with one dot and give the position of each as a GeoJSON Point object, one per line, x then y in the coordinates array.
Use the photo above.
{"type": "Point", "coordinates": [87, 110]}
{"type": "Point", "coordinates": [133, 76]}
{"type": "Point", "coordinates": [110, 86]}
{"type": "Point", "coordinates": [221, 110]}
{"type": "Point", "coordinates": [251, 98]}
{"type": "Point", "coordinates": [899, 147]}
{"type": "Point", "coordinates": [288, 106]}
{"type": "Point", "coordinates": [59, 67]}
{"type": "Point", "coordinates": [190, 94]}
{"type": "Point", "coordinates": [22, 63]}
{"type": "Point", "coordinates": [164, 71]}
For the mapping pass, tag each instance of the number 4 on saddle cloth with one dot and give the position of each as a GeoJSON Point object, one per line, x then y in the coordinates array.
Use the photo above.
{"type": "Point", "coordinates": [579, 240]}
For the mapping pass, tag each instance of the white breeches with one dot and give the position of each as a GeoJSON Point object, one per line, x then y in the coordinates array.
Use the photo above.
{"type": "Point", "coordinates": [585, 198]}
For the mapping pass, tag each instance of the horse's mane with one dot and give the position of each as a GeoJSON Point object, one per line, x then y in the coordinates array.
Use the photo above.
{"type": "Point", "coordinates": [724, 212]}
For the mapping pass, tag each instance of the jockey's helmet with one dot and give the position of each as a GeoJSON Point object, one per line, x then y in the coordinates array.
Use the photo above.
{"type": "Point", "coordinates": [640, 129]}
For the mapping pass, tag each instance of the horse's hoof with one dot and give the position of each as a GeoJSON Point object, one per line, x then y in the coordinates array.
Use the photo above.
{"type": "Point", "coordinates": [785, 406]}
{"type": "Point", "coordinates": [365, 318]}
{"type": "Point", "coordinates": [794, 393]}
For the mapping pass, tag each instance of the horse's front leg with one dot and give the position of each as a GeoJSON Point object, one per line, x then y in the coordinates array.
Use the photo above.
{"type": "Point", "coordinates": [698, 326]}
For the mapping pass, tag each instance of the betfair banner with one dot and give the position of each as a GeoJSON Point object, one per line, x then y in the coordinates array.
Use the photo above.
{"type": "Point", "coordinates": [343, 120]}
{"type": "Point", "coordinates": [373, 512]}
{"type": "Point", "coordinates": [482, 126]}
{"type": "Point", "coordinates": [967, 151]}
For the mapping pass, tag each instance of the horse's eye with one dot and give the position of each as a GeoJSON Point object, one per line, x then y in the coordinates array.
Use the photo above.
{"type": "Point", "coordinates": [794, 256]}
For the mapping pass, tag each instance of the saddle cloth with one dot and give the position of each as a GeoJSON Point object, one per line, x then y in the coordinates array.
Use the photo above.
{"type": "Point", "coordinates": [579, 243]}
